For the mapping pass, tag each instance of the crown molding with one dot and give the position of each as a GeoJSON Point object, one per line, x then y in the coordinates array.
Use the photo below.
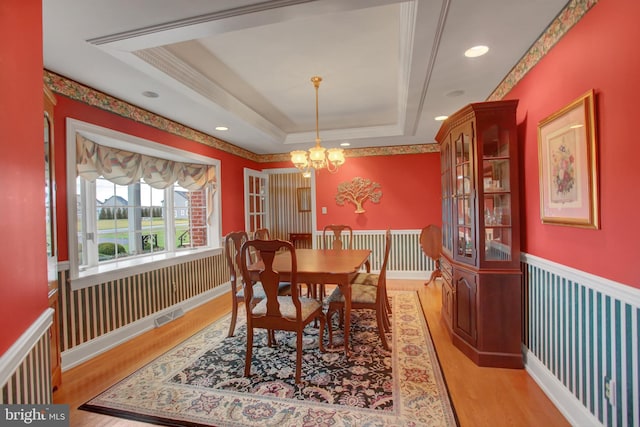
{"type": "Point", "coordinates": [566, 19]}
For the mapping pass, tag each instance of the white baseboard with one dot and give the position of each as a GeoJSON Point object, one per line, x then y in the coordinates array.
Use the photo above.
{"type": "Point", "coordinates": [90, 349]}
{"type": "Point", "coordinates": [573, 410]}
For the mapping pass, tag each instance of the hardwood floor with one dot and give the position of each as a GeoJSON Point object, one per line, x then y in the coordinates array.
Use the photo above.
{"type": "Point", "coordinates": [485, 396]}
{"type": "Point", "coordinates": [481, 396]}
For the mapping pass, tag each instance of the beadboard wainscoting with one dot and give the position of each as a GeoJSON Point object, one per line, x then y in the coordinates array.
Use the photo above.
{"type": "Point", "coordinates": [406, 259]}
{"type": "Point", "coordinates": [97, 318]}
{"type": "Point", "coordinates": [25, 369]}
{"type": "Point", "coordinates": [580, 341]}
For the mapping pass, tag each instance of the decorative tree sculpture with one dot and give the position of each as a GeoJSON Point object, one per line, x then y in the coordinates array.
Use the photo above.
{"type": "Point", "coordinates": [357, 192]}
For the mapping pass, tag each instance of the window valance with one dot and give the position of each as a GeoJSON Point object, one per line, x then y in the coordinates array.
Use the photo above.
{"type": "Point", "coordinates": [125, 167]}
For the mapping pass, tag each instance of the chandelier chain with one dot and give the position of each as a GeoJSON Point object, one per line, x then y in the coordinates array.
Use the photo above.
{"type": "Point", "coordinates": [317, 157]}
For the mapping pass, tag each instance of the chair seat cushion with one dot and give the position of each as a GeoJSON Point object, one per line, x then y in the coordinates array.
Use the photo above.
{"type": "Point", "coordinates": [284, 288]}
{"type": "Point", "coordinates": [368, 279]}
{"type": "Point", "coordinates": [360, 294]}
{"type": "Point", "coordinates": [288, 309]}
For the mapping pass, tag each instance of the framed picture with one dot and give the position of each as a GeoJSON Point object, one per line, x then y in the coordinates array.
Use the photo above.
{"type": "Point", "coordinates": [304, 199]}
{"type": "Point", "coordinates": [567, 156]}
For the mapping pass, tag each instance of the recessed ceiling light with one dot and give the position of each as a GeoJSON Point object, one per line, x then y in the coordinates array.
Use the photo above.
{"type": "Point", "coordinates": [455, 93]}
{"type": "Point", "coordinates": [150, 94]}
{"type": "Point", "coordinates": [440, 118]}
{"type": "Point", "coordinates": [222, 128]}
{"type": "Point", "coordinates": [476, 51]}
{"type": "Point", "coordinates": [345, 144]}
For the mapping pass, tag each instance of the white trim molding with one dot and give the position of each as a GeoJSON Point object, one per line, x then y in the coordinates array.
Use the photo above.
{"type": "Point", "coordinates": [15, 355]}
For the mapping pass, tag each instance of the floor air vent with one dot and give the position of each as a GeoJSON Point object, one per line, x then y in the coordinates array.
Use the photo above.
{"type": "Point", "coordinates": [166, 318]}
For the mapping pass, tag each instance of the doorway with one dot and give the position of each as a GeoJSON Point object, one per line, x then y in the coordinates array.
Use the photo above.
{"type": "Point", "coordinates": [256, 200]}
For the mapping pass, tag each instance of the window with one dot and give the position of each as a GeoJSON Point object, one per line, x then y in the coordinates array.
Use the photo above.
{"type": "Point", "coordinates": [138, 204]}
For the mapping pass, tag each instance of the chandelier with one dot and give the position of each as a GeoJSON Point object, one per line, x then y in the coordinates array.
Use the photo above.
{"type": "Point", "coordinates": [317, 157]}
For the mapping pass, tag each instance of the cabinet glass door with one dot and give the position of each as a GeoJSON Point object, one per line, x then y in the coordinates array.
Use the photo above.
{"type": "Point", "coordinates": [464, 203]}
{"type": "Point", "coordinates": [447, 197]}
{"type": "Point", "coordinates": [497, 195]}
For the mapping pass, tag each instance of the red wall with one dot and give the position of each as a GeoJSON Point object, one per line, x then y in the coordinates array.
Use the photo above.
{"type": "Point", "coordinates": [23, 263]}
{"type": "Point", "coordinates": [410, 185]}
{"type": "Point", "coordinates": [600, 52]}
{"type": "Point", "coordinates": [231, 167]}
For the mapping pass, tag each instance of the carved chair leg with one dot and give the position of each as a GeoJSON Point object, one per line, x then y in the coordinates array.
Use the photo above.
{"type": "Point", "coordinates": [385, 317]}
{"type": "Point", "coordinates": [311, 290]}
{"type": "Point", "coordinates": [381, 328]}
{"type": "Point", "coordinates": [234, 317]}
{"type": "Point", "coordinates": [330, 311]}
{"type": "Point", "coordinates": [271, 338]}
{"type": "Point", "coordinates": [249, 354]}
{"type": "Point", "coordinates": [322, 292]}
{"type": "Point", "coordinates": [299, 356]}
{"type": "Point", "coordinates": [321, 332]}
{"type": "Point", "coordinates": [387, 301]}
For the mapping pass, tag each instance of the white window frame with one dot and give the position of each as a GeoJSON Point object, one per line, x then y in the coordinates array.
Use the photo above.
{"type": "Point", "coordinates": [126, 267]}
{"type": "Point", "coordinates": [248, 215]}
{"type": "Point", "coordinates": [89, 208]}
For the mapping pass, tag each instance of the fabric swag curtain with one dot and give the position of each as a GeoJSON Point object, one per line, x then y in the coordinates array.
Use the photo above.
{"type": "Point", "coordinates": [125, 167]}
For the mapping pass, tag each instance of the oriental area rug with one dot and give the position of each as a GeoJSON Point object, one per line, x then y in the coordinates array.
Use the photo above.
{"type": "Point", "coordinates": [201, 381]}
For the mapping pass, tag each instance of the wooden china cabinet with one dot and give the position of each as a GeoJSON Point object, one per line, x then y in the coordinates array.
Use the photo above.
{"type": "Point", "coordinates": [480, 263]}
{"type": "Point", "coordinates": [52, 248]}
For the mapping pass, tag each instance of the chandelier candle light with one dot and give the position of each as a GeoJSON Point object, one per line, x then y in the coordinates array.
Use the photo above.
{"type": "Point", "coordinates": [318, 157]}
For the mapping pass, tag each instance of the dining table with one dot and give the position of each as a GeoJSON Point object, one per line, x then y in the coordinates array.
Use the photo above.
{"type": "Point", "coordinates": [327, 266]}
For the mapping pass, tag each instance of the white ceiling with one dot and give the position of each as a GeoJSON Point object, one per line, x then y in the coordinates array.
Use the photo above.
{"type": "Point", "coordinates": [388, 67]}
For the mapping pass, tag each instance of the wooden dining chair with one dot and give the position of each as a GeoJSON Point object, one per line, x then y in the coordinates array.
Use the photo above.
{"type": "Point", "coordinates": [431, 245]}
{"type": "Point", "coordinates": [332, 236]}
{"type": "Point", "coordinates": [368, 292]}
{"type": "Point", "coordinates": [277, 312]}
{"type": "Point", "coordinates": [262, 234]}
{"type": "Point", "coordinates": [232, 244]}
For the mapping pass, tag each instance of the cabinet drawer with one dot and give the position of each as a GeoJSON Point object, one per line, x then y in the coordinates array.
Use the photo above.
{"type": "Point", "coordinates": [446, 269]}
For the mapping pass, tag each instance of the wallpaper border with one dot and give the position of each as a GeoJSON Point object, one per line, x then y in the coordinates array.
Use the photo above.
{"type": "Point", "coordinates": [566, 19]}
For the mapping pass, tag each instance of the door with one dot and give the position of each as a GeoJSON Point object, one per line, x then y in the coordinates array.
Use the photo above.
{"type": "Point", "coordinates": [256, 200]}
{"type": "Point", "coordinates": [464, 193]}
{"type": "Point", "coordinates": [465, 305]}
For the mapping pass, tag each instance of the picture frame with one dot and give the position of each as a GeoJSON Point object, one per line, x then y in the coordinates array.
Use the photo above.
{"type": "Point", "coordinates": [568, 165]}
{"type": "Point", "coordinates": [304, 199]}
